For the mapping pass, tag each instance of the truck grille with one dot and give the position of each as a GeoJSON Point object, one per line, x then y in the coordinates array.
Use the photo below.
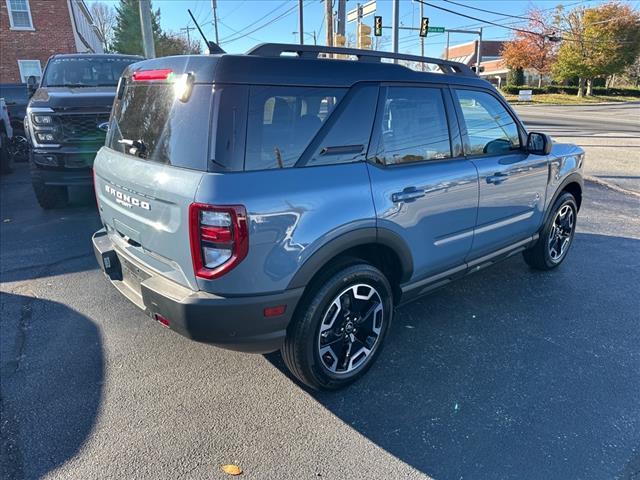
{"type": "Point", "coordinates": [82, 127]}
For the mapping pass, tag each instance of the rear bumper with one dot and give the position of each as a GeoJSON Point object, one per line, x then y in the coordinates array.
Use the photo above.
{"type": "Point", "coordinates": [234, 323]}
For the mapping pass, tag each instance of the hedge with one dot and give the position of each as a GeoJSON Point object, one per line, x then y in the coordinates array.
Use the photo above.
{"type": "Point", "coordinates": [570, 90]}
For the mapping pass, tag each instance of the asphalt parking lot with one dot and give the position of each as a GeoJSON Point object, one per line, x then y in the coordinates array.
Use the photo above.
{"type": "Point", "coordinates": [509, 373]}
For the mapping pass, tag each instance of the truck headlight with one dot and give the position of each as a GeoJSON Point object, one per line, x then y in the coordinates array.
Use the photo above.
{"type": "Point", "coordinates": [43, 119]}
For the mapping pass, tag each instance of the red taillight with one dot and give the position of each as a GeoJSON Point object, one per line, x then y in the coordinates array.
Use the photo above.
{"type": "Point", "coordinates": [275, 311]}
{"type": "Point", "coordinates": [219, 238]}
{"type": "Point", "coordinates": [162, 320]}
{"type": "Point", "coordinates": [150, 75]}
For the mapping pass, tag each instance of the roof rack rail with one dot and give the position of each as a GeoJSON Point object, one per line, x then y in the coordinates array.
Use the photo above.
{"type": "Point", "coordinates": [313, 51]}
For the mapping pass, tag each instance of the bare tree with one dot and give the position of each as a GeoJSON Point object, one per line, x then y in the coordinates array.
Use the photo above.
{"type": "Point", "coordinates": [104, 19]}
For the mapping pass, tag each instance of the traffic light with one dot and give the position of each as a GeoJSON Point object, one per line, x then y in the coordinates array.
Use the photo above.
{"type": "Point", "coordinates": [377, 26]}
{"type": "Point", "coordinates": [424, 26]}
{"type": "Point", "coordinates": [364, 36]}
{"type": "Point", "coordinates": [339, 40]}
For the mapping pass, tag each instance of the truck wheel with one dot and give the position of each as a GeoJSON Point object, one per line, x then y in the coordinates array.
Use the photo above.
{"type": "Point", "coordinates": [556, 237]}
{"type": "Point", "coordinates": [5, 161]}
{"type": "Point", "coordinates": [48, 196]}
{"type": "Point", "coordinates": [337, 333]}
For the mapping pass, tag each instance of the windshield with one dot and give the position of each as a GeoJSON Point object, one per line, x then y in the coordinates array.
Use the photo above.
{"type": "Point", "coordinates": [85, 72]}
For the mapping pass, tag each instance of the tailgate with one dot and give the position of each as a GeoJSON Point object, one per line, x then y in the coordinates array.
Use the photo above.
{"type": "Point", "coordinates": [144, 206]}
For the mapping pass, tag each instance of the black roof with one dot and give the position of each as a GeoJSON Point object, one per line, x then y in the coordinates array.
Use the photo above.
{"type": "Point", "coordinates": [302, 70]}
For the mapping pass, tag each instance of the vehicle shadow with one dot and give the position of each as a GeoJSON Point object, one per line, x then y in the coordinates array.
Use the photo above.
{"type": "Point", "coordinates": [496, 377]}
{"type": "Point", "coordinates": [52, 374]}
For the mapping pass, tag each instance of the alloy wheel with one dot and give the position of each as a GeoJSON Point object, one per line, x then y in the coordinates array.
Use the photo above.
{"type": "Point", "coordinates": [561, 233]}
{"type": "Point", "coordinates": [350, 329]}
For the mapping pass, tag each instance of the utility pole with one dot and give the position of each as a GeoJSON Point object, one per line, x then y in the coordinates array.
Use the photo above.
{"type": "Point", "coordinates": [342, 17]}
{"type": "Point", "coordinates": [188, 29]}
{"type": "Point", "coordinates": [328, 21]}
{"type": "Point", "coordinates": [300, 22]}
{"type": "Point", "coordinates": [396, 24]}
{"type": "Point", "coordinates": [147, 31]}
{"type": "Point", "coordinates": [479, 54]}
{"type": "Point", "coordinates": [214, 7]}
{"type": "Point", "coordinates": [422, 38]}
{"type": "Point", "coordinates": [446, 52]}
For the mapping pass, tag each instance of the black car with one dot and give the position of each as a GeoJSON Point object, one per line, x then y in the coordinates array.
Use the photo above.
{"type": "Point", "coordinates": [16, 97]}
{"type": "Point", "coordinates": [67, 119]}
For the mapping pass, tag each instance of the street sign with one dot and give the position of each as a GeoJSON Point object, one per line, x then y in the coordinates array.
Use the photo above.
{"type": "Point", "coordinates": [525, 95]}
{"type": "Point", "coordinates": [435, 29]}
{"type": "Point", "coordinates": [377, 26]}
{"type": "Point", "coordinates": [360, 11]}
{"type": "Point", "coordinates": [424, 26]}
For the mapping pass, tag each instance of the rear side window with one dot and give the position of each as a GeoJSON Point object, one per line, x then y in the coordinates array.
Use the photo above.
{"type": "Point", "coordinates": [413, 126]}
{"type": "Point", "coordinates": [490, 128]}
{"type": "Point", "coordinates": [282, 121]}
{"type": "Point", "coordinates": [150, 123]}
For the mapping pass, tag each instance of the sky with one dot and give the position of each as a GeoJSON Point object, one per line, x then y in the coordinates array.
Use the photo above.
{"type": "Point", "coordinates": [277, 20]}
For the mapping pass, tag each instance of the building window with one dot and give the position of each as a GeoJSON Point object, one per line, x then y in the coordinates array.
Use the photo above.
{"type": "Point", "coordinates": [19, 14]}
{"type": "Point", "coordinates": [28, 68]}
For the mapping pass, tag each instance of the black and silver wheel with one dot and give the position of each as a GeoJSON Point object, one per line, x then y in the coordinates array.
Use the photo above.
{"type": "Point", "coordinates": [340, 327]}
{"type": "Point", "coordinates": [556, 236]}
{"type": "Point", "coordinates": [561, 233]}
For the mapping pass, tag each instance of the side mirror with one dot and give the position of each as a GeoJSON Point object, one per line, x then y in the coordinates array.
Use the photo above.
{"type": "Point", "coordinates": [32, 85]}
{"type": "Point", "coordinates": [539, 143]}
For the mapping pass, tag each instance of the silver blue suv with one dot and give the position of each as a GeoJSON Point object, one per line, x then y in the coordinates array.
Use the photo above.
{"type": "Point", "coordinates": [286, 200]}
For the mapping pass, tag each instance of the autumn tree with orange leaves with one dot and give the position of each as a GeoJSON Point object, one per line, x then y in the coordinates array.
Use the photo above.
{"type": "Point", "coordinates": [534, 47]}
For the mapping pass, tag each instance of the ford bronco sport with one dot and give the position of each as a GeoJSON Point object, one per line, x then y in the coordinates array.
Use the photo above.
{"type": "Point", "coordinates": [64, 118]}
{"type": "Point", "coordinates": [271, 201]}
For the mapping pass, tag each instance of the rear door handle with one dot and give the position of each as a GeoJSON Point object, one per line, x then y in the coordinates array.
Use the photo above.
{"type": "Point", "coordinates": [408, 194]}
{"type": "Point", "coordinates": [497, 178]}
{"type": "Point", "coordinates": [342, 149]}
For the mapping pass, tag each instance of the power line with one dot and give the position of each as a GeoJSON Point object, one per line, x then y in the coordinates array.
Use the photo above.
{"type": "Point", "coordinates": [508, 27]}
{"type": "Point", "coordinates": [279, 17]}
{"type": "Point", "coordinates": [238, 5]}
{"type": "Point", "coordinates": [488, 11]}
{"type": "Point", "coordinates": [237, 31]}
{"type": "Point", "coordinates": [261, 18]}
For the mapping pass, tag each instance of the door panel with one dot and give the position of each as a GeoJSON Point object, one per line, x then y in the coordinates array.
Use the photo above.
{"type": "Point", "coordinates": [437, 217]}
{"type": "Point", "coordinates": [512, 192]}
{"type": "Point", "coordinates": [420, 192]}
{"type": "Point", "coordinates": [512, 182]}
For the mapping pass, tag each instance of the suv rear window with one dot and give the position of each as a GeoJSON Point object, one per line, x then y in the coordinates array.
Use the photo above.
{"type": "Point", "coordinates": [283, 121]}
{"type": "Point", "coordinates": [152, 124]}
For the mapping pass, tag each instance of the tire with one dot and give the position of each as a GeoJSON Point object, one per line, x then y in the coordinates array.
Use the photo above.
{"type": "Point", "coordinates": [6, 162]}
{"type": "Point", "coordinates": [333, 314]}
{"type": "Point", "coordinates": [49, 197]}
{"type": "Point", "coordinates": [561, 225]}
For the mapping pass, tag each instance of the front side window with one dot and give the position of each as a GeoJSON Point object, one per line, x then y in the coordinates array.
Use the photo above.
{"type": "Point", "coordinates": [19, 14]}
{"type": "Point", "coordinates": [29, 68]}
{"type": "Point", "coordinates": [413, 127]}
{"type": "Point", "coordinates": [282, 121]}
{"type": "Point", "coordinates": [490, 128]}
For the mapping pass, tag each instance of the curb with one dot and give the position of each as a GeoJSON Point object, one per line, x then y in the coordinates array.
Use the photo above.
{"type": "Point", "coordinates": [527, 104]}
{"type": "Point", "coordinates": [611, 186]}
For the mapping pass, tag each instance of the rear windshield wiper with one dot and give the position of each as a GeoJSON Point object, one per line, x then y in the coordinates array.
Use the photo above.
{"type": "Point", "coordinates": [135, 147]}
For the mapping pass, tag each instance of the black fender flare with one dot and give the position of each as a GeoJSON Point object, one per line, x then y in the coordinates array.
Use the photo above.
{"type": "Point", "coordinates": [355, 238]}
{"type": "Point", "coordinates": [574, 177]}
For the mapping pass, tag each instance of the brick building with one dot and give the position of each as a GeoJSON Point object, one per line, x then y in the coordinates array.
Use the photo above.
{"type": "Point", "coordinates": [33, 30]}
{"type": "Point", "coordinates": [493, 66]}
